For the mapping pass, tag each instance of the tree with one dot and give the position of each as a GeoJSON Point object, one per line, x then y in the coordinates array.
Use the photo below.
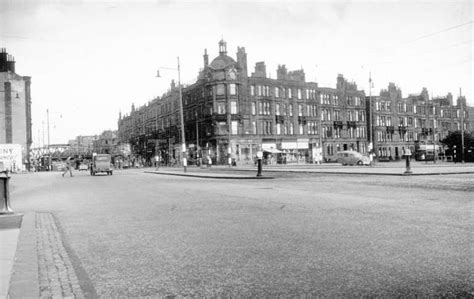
{"type": "Point", "coordinates": [454, 138]}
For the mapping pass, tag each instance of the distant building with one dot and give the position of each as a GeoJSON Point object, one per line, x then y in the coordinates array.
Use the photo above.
{"type": "Point", "coordinates": [470, 120]}
{"type": "Point", "coordinates": [15, 107]}
{"type": "Point", "coordinates": [106, 143]}
{"type": "Point", "coordinates": [83, 145]}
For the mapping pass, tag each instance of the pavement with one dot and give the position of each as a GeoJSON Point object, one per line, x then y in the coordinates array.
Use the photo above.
{"type": "Point", "coordinates": [379, 169]}
{"type": "Point", "coordinates": [35, 261]}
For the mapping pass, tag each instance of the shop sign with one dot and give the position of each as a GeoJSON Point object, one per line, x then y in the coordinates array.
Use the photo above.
{"type": "Point", "coordinates": [268, 146]}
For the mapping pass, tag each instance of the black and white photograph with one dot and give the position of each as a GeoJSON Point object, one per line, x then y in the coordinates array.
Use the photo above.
{"type": "Point", "coordinates": [236, 149]}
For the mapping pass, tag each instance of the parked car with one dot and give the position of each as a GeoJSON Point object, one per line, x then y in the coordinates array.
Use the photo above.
{"type": "Point", "coordinates": [83, 166]}
{"type": "Point", "coordinates": [352, 158]}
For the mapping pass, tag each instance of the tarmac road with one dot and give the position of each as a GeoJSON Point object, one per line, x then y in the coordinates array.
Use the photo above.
{"type": "Point", "coordinates": [138, 234]}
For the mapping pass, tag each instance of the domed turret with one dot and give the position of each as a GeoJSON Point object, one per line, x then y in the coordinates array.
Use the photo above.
{"type": "Point", "coordinates": [222, 61]}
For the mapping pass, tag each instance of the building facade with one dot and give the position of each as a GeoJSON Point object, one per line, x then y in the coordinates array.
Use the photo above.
{"type": "Point", "coordinates": [105, 143]}
{"type": "Point", "coordinates": [229, 113]}
{"type": "Point", "coordinates": [416, 122]}
{"type": "Point", "coordinates": [83, 145]}
{"type": "Point", "coordinates": [15, 107]}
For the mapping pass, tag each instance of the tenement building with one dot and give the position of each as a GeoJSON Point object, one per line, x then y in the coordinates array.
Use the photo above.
{"type": "Point", "coordinates": [229, 113]}
{"type": "Point", "coordinates": [15, 114]}
{"type": "Point", "coordinates": [416, 122]}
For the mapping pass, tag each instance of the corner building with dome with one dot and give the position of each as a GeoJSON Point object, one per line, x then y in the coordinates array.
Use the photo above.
{"type": "Point", "coordinates": [230, 115]}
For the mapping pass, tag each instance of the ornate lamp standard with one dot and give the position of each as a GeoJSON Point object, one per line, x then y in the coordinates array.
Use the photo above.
{"type": "Point", "coordinates": [183, 140]}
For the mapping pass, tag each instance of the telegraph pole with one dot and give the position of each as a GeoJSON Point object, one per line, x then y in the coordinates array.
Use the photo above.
{"type": "Point", "coordinates": [49, 149]}
{"type": "Point", "coordinates": [462, 126]}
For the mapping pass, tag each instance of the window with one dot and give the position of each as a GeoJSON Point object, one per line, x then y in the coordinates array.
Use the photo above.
{"type": "Point", "coordinates": [266, 127]}
{"type": "Point", "coordinates": [221, 108]}
{"type": "Point", "coordinates": [289, 93]}
{"type": "Point", "coordinates": [266, 91]}
{"type": "Point", "coordinates": [301, 129]}
{"type": "Point", "coordinates": [299, 94]}
{"type": "Point", "coordinates": [300, 110]}
{"type": "Point", "coordinates": [232, 89]}
{"type": "Point", "coordinates": [277, 109]}
{"type": "Point", "coordinates": [277, 92]}
{"type": "Point", "coordinates": [252, 90]}
{"type": "Point", "coordinates": [254, 108]}
{"type": "Point", "coordinates": [312, 127]}
{"type": "Point", "coordinates": [291, 129]}
{"type": "Point", "coordinates": [233, 107]}
{"type": "Point", "coordinates": [312, 111]}
{"type": "Point", "coordinates": [266, 106]}
{"type": "Point", "coordinates": [290, 109]}
{"type": "Point", "coordinates": [222, 128]}
{"type": "Point", "coordinates": [259, 90]}
{"type": "Point", "coordinates": [234, 127]}
{"type": "Point", "coordinates": [254, 127]}
{"type": "Point", "coordinates": [220, 89]}
{"type": "Point", "coordinates": [278, 128]}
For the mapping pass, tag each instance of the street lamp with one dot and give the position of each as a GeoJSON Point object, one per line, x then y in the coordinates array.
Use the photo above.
{"type": "Point", "coordinates": [183, 140]}
{"type": "Point", "coordinates": [371, 141]}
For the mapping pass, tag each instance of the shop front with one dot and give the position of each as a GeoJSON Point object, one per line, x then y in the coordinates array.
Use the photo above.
{"type": "Point", "coordinates": [295, 151]}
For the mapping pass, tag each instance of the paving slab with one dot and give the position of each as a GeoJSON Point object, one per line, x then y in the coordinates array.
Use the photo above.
{"type": "Point", "coordinates": [8, 244]}
{"type": "Point", "coordinates": [24, 278]}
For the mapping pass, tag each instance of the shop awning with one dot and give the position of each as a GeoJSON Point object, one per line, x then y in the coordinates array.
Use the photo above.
{"type": "Point", "coordinates": [273, 151]}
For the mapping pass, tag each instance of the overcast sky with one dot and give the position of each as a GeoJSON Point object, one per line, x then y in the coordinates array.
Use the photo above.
{"type": "Point", "coordinates": [91, 59]}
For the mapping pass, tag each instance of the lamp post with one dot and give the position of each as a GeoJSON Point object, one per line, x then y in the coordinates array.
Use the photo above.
{"type": "Point", "coordinates": [371, 141]}
{"type": "Point", "coordinates": [181, 114]}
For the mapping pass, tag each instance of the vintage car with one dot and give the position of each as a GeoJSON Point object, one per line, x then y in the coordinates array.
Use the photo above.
{"type": "Point", "coordinates": [101, 163]}
{"type": "Point", "coordinates": [352, 158]}
{"type": "Point", "coordinates": [83, 166]}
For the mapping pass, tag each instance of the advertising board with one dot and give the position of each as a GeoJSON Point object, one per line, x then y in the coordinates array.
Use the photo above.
{"type": "Point", "coordinates": [10, 157]}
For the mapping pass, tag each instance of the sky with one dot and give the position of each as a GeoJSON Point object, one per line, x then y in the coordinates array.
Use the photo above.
{"type": "Point", "coordinates": [90, 60]}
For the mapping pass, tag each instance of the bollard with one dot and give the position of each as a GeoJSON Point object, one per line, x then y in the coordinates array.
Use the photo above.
{"type": "Point", "coordinates": [259, 163]}
{"type": "Point", "coordinates": [259, 167]}
{"type": "Point", "coordinates": [407, 163]}
{"type": "Point", "coordinates": [5, 193]}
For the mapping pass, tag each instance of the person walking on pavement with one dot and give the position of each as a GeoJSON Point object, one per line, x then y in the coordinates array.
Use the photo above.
{"type": "Point", "coordinates": [157, 162]}
{"type": "Point", "coordinates": [68, 166]}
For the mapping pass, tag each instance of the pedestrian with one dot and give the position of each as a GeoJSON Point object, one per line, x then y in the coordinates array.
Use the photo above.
{"type": "Point", "coordinates": [157, 162]}
{"type": "Point", "coordinates": [209, 161]}
{"type": "Point", "coordinates": [68, 166]}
